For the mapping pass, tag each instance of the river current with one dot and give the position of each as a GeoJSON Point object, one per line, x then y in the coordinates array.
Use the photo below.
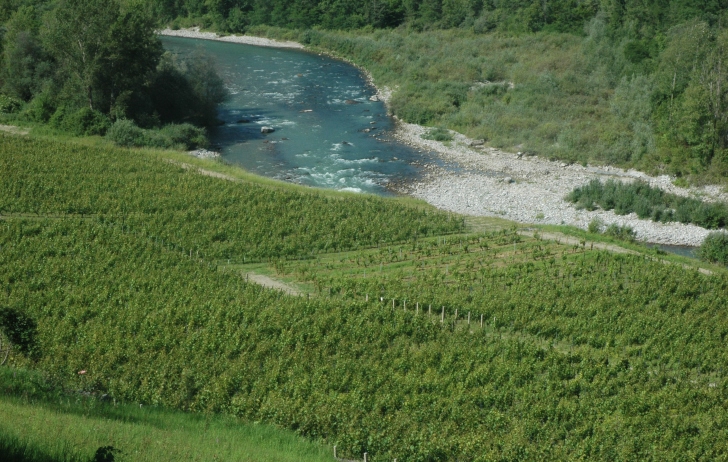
{"type": "Point", "coordinates": [328, 133]}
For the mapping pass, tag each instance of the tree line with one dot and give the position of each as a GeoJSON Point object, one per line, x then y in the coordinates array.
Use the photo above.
{"type": "Point", "coordinates": [644, 18]}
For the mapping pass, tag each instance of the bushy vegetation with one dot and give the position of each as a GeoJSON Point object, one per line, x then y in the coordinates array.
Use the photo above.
{"type": "Point", "coordinates": [569, 352]}
{"type": "Point", "coordinates": [624, 233]}
{"type": "Point", "coordinates": [648, 202]}
{"type": "Point", "coordinates": [438, 134]}
{"type": "Point", "coordinates": [81, 65]}
{"type": "Point", "coordinates": [126, 133]}
{"type": "Point", "coordinates": [715, 248]}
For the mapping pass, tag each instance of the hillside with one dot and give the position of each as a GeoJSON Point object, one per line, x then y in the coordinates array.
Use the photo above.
{"type": "Point", "coordinates": [529, 348]}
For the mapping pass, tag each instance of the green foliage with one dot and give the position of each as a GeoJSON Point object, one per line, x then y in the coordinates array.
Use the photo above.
{"type": "Point", "coordinates": [571, 339]}
{"type": "Point", "coordinates": [624, 233]}
{"type": "Point", "coordinates": [193, 212]}
{"type": "Point", "coordinates": [172, 136]}
{"type": "Point", "coordinates": [82, 122]}
{"type": "Point", "coordinates": [648, 202]}
{"type": "Point", "coordinates": [438, 134]}
{"type": "Point", "coordinates": [125, 133]}
{"type": "Point", "coordinates": [595, 226]}
{"type": "Point", "coordinates": [714, 248]}
{"type": "Point", "coordinates": [169, 330]}
{"type": "Point", "coordinates": [20, 329]}
{"type": "Point", "coordinates": [9, 105]}
{"type": "Point", "coordinates": [187, 89]}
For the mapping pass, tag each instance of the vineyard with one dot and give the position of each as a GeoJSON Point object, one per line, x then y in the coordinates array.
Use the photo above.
{"type": "Point", "coordinates": [186, 211]}
{"type": "Point", "coordinates": [420, 342]}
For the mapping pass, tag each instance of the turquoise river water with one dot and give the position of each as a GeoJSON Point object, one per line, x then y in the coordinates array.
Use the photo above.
{"type": "Point", "coordinates": [327, 131]}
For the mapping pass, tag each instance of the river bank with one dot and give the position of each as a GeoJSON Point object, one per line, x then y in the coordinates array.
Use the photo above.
{"type": "Point", "coordinates": [195, 33]}
{"type": "Point", "coordinates": [484, 181]}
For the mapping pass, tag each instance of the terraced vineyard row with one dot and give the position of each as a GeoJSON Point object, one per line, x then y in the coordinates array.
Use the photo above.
{"type": "Point", "coordinates": [582, 353]}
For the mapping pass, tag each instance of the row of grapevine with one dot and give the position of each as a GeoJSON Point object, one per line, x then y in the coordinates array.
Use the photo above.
{"type": "Point", "coordinates": [591, 355]}
{"type": "Point", "coordinates": [219, 219]}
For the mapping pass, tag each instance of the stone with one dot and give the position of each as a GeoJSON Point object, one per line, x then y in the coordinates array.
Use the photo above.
{"type": "Point", "coordinates": [477, 142]}
{"type": "Point", "coordinates": [508, 180]}
{"type": "Point", "coordinates": [243, 121]}
{"type": "Point", "coordinates": [374, 98]}
{"type": "Point", "coordinates": [267, 129]}
{"type": "Point", "coordinates": [351, 101]}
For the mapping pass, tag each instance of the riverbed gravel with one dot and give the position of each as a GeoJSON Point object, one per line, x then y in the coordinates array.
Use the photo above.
{"type": "Point", "coordinates": [484, 181]}
{"type": "Point", "coordinates": [195, 32]}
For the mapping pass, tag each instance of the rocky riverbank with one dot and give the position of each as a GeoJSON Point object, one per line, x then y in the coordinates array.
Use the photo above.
{"type": "Point", "coordinates": [484, 181]}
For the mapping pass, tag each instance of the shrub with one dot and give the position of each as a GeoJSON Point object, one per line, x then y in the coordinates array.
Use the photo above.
{"type": "Point", "coordinates": [125, 133]}
{"type": "Point", "coordinates": [80, 122]}
{"type": "Point", "coordinates": [184, 136]}
{"type": "Point", "coordinates": [625, 233]}
{"type": "Point", "coordinates": [41, 108]}
{"type": "Point", "coordinates": [173, 136]}
{"type": "Point", "coordinates": [648, 202]}
{"type": "Point", "coordinates": [714, 248]}
{"type": "Point", "coordinates": [438, 134]}
{"type": "Point", "coordinates": [596, 225]}
{"type": "Point", "coordinates": [9, 105]}
{"type": "Point", "coordinates": [19, 329]}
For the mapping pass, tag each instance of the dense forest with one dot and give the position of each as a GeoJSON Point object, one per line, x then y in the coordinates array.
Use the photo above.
{"type": "Point", "coordinates": [646, 19]}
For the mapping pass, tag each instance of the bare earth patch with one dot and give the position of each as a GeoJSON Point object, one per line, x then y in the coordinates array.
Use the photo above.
{"type": "Point", "coordinates": [271, 283]}
{"type": "Point", "coordinates": [14, 130]}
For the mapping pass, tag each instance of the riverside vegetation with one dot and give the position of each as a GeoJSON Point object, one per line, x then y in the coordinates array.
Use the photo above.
{"type": "Point", "coordinates": [580, 352]}
{"type": "Point", "coordinates": [96, 67]}
{"type": "Point", "coordinates": [636, 84]}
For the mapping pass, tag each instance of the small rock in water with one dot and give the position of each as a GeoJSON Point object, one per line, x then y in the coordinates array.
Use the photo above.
{"type": "Point", "coordinates": [267, 129]}
{"type": "Point", "coordinates": [351, 101]}
{"type": "Point", "coordinates": [243, 121]}
{"type": "Point", "coordinates": [307, 110]}
{"type": "Point", "coordinates": [372, 122]}
{"type": "Point", "coordinates": [374, 98]}
{"type": "Point", "coordinates": [284, 139]}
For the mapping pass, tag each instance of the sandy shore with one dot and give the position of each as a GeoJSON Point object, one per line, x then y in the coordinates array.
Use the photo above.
{"type": "Point", "coordinates": [244, 39]}
{"type": "Point", "coordinates": [492, 182]}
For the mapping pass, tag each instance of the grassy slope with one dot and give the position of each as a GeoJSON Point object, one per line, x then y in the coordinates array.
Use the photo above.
{"type": "Point", "coordinates": [583, 354]}
{"type": "Point", "coordinates": [57, 426]}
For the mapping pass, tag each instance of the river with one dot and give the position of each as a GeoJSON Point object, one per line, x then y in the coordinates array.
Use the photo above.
{"type": "Point", "coordinates": [328, 133]}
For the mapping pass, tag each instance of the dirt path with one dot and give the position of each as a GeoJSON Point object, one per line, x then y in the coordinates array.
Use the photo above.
{"type": "Point", "coordinates": [205, 172]}
{"type": "Point", "coordinates": [564, 239]}
{"type": "Point", "coordinates": [14, 130]}
{"type": "Point", "coordinates": [271, 283]}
